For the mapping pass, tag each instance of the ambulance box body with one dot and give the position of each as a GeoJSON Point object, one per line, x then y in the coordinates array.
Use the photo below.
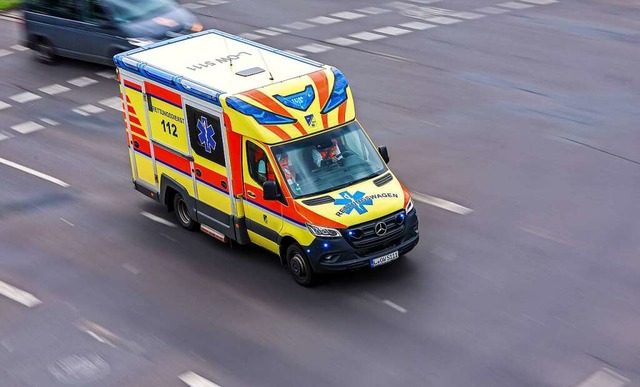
{"type": "Point", "coordinates": [255, 145]}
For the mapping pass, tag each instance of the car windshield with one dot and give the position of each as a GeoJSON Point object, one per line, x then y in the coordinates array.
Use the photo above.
{"type": "Point", "coordinates": [328, 161]}
{"type": "Point", "coordinates": [126, 11]}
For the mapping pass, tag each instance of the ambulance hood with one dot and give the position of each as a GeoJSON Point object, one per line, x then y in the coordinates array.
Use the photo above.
{"type": "Point", "coordinates": [362, 202]}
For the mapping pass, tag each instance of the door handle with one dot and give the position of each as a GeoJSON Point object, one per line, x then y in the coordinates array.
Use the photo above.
{"type": "Point", "coordinates": [136, 144]}
{"type": "Point", "coordinates": [251, 194]}
{"type": "Point", "coordinates": [198, 172]}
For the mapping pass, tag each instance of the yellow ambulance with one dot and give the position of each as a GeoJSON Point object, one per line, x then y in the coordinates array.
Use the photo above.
{"type": "Point", "coordinates": [251, 144]}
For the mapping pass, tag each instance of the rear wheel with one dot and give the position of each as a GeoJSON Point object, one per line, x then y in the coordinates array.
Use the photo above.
{"type": "Point", "coordinates": [182, 213]}
{"type": "Point", "coordinates": [45, 52]}
{"type": "Point", "coordinates": [299, 266]}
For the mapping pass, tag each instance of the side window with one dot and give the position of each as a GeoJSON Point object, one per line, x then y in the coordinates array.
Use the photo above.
{"type": "Point", "coordinates": [68, 9]}
{"type": "Point", "coordinates": [206, 135]}
{"type": "Point", "coordinates": [260, 169]}
{"type": "Point", "coordinates": [96, 12]}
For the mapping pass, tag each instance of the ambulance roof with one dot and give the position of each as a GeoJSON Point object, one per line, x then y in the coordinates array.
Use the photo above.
{"type": "Point", "coordinates": [217, 60]}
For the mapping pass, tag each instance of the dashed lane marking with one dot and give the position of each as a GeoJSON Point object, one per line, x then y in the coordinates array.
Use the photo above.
{"type": "Point", "coordinates": [27, 127]}
{"type": "Point", "coordinates": [67, 222]}
{"type": "Point", "coordinates": [467, 15]}
{"type": "Point", "coordinates": [49, 121]}
{"type": "Point", "coordinates": [4, 52]}
{"type": "Point", "coordinates": [441, 203]}
{"type": "Point", "coordinates": [443, 20]}
{"type": "Point", "coordinates": [157, 219]}
{"type": "Point", "coordinates": [324, 20]}
{"type": "Point", "coordinates": [515, 5]}
{"type": "Point", "coordinates": [418, 25]}
{"type": "Point", "coordinates": [113, 102]}
{"type": "Point", "coordinates": [18, 295]}
{"type": "Point", "coordinates": [3, 137]}
{"type": "Point", "coordinates": [131, 269]}
{"type": "Point", "coordinates": [368, 36]}
{"type": "Point", "coordinates": [295, 53]}
{"type": "Point", "coordinates": [214, 2]}
{"type": "Point", "coordinates": [280, 30]}
{"type": "Point", "coordinates": [192, 379]}
{"type": "Point", "coordinates": [492, 10]}
{"type": "Point", "coordinates": [394, 306]}
{"type": "Point", "coordinates": [82, 81]}
{"type": "Point", "coordinates": [298, 25]}
{"type": "Point", "coordinates": [373, 10]}
{"type": "Point", "coordinates": [604, 378]}
{"type": "Point", "coordinates": [267, 32]}
{"type": "Point", "coordinates": [19, 47]}
{"type": "Point", "coordinates": [540, 2]}
{"type": "Point", "coordinates": [89, 109]}
{"type": "Point", "coordinates": [348, 15]}
{"type": "Point", "coordinates": [4, 105]}
{"type": "Point", "coordinates": [107, 74]}
{"type": "Point", "coordinates": [339, 41]}
{"type": "Point", "coordinates": [250, 36]}
{"type": "Point", "coordinates": [33, 172]}
{"type": "Point", "coordinates": [54, 89]}
{"type": "Point", "coordinates": [25, 97]}
{"type": "Point", "coordinates": [315, 48]}
{"type": "Point", "coordinates": [394, 31]}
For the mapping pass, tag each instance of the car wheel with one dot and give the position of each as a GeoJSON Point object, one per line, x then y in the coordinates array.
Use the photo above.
{"type": "Point", "coordinates": [45, 52]}
{"type": "Point", "coordinates": [182, 213]}
{"type": "Point", "coordinates": [299, 266]}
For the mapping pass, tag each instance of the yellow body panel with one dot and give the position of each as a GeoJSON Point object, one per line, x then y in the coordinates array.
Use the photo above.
{"type": "Point", "coordinates": [135, 114]}
{"type": "Point", "coordinates": [208, 194]}
{"type": "Point", "coordinates": [168, 125]}
{"type": "Point", "coordinates": [185, 181]}
{"type": "Point", "coordinates": [264, 242]}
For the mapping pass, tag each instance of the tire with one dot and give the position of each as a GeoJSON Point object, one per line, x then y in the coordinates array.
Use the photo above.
{"type": "Point", "coordinates": [45, 52]}
{"type": "Point", "coordinates": [299, 267]}
{"type": "Point", "coordinates": [181, 209]}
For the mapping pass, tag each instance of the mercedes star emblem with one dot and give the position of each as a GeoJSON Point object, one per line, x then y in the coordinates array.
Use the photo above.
{"type": "Point", "coordinates": [381, 228]}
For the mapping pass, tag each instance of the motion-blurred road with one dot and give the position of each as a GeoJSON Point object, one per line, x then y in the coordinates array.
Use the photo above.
{"type": "Point", "coordinates": [525, 112]}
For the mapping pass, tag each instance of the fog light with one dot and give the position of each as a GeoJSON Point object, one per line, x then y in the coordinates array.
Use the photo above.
{"type": "Point", "coordinates": [325, 245]}
{"type": "Point", "coordinates": [330, 258]}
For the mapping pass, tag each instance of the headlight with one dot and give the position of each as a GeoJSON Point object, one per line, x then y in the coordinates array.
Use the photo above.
{"type": "Point", "coordinates": [140, 42]}
{"type": "Point", "coordinates": [323, 232]}
{"type": "Point", "coordinates": [409, 206]}
{"type": "Point", "coordinates": [196, 27]}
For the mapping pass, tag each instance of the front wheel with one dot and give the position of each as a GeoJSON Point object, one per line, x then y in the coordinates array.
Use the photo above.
{"type": "Point", "coordinates": [299, 266]}
{"type": "Point", "coordinates": [45, 52]}
{"type": "Point", "coordinates": [182, 213]}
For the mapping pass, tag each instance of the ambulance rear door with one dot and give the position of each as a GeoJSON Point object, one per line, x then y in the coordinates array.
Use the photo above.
{"type": "Point", "coordinates": [211, 166]}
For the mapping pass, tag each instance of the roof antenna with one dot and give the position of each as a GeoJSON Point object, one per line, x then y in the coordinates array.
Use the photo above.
{"type": "Point", "coordinates": [224, 40]}
{"type": "Point", "coordinates": [266, 65]}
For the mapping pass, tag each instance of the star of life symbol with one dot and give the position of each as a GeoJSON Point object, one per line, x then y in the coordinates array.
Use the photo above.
{"type": "Point", "coordinates": [205, 135]}
{"type": "Point", "coordinates": [353, 202]}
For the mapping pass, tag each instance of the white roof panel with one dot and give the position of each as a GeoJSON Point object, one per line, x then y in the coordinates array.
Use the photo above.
{"type": "Point", "coordinates": [207, 59]}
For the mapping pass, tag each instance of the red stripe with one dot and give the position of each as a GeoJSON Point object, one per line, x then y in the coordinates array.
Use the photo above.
{"type": "Point", "coordinates": [278, 132]}
{"type": "Point", "coordinates": [273, 205]}
{"type": "Point", "coordinates": [137, 129]}
{"type": "Point", "coordinates": [235, 154]}
{"type": "Point", "coordinates": [322, 84]}
{"type": "Point", "coordinates": [212, 177]}
{"type": "Point", "coordinates": [162, 93]}
{"type": "Point", "coordinates": [143, 145]}
{"type": "Point", "coordinates": [342, 110]}
{"type": "Point", "coordinates": [172, 159]}
{"type": "Point", "coordinates": [300, 128]}
{"type": "Point", "coordinates": [134, 120]}
{"type": "Point", "coordinates": [325, 121]}
{"type": "Point", "coordinates": [132, 85]}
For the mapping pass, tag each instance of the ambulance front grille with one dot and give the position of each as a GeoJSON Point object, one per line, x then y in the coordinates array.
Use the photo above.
{"type": "Point", "coordinates": [364, 238]}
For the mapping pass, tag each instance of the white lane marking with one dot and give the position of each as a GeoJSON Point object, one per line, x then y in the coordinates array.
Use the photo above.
{"type": "Point", "coordinates": [91, 109]}
{"type": "Point", "coordinates": [418, 25]}
{"type": "Point", "coordinates": [544, 234]}
{"type": "Point", "coordinates": [107, 74]}
{"type": "Point", "coordinates": [4, 52]}
{"type": "Point", "coordinates": [368, 36]}
{"type": "Point", "coordinates": [324, 20]}
{"type": "Point", "coordinates": [27, 127]}
{"type": "Point", "coordinates": [82, 113]}
{"type": "Point", "coordinates": [214, 2]}
{"type": "Point", "coordinates": [54, 89]}
{"type": "Point", "coordinates": [157, 219]}
{"type": "Point", "coordinates": [193, 5]}
{"type": "Point", "coordinates": [540, 2]}
{"type": "Point", "coordinates": [131, 269]}
{"type": "Point", "coordinates": [113, 102]}
{"type": "Point", "coordinates": [168, 237]}
{"type": "Point", "coordinates": [33, 172]}
{"type": "Point", "coordinates": [515, 5]}
{"type": "Point", "coordinates": [106, 336]}
{"type": "Point", "coordinates": [443, 20]}
{"type": "Point", "coordinates": [467, 15]}
{"type": "Point", "coordinates": [267, 32]}
{"type": "Point", "coordinates": [3, 137]}
{"type": "Point", "coordinates": [25, 97]}
{"type": "Point", "coordinates": [339, 41]}
{"type": "Point", "coordinates": [49, 121]}
{"type": "Point", "coordinates": [250, 36]}
{"type": "Point", "coordinates": [604, 378]}
{"type": "Point", "coordinates": [298, 25]}
{"type": "Point", "coordinates": [348, 15]}
{"type": "Point", "coordinates": [394, 306]}
{"type": "Point", "coordinates": [373, 10]}
{"type": "Point", "coordinates": [295, 53]}
{"type": "Point", "coordinates": [280, 30]}
{"type": "Point", "coordinates": [25, 298]}
{"type": "Point", "coordinates": [4, 105]}
{"type": "Point", "coordinates": [394, 31]}
{"type": "Point", "coordinates": [19, 47]}
{"type": "Point", "coordinates": [492, 10]}
{"type": "Point", "coordinates": [82, 81]}
{"type": "Point", "coordinates": [192, 379]}
{"type": "Point", "coordinates": [67, 222]}
{"type": "Point", "coordinates": [441, 203]}
{"type": "Point", "coordinates": [315, 48]}
{"type": "Point", "coordinates": [426, 1]}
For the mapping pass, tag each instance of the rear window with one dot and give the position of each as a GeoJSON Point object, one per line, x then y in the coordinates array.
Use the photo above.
{"type": "Point", "coordinates": [68, 9]}
{"type": "Point", "coordinates": [131, 10]}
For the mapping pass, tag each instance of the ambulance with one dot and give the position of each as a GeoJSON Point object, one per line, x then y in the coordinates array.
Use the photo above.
{"type": "Point", "coordinates": [251, 144]}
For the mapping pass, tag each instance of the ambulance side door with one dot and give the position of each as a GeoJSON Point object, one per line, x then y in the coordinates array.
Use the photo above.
{"type": "Point", "coordinates": [263, 217]}
{"type": "Point", "coordinates": [210, 168]}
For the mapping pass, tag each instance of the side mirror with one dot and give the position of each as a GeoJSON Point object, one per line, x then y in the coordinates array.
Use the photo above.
{"type": "Point", "coordinates": [270, 190]}
{"type": "Point", "coordinates": [384, 153]}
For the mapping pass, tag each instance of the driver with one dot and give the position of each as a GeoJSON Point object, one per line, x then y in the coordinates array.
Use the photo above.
{"type": "Point", "coordinates": [326, 152]}
{"type": "Point", "coordinates": [287, 170]}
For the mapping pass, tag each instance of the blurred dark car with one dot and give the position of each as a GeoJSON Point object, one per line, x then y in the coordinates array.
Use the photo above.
{"type": "Point", "coordinates": [95, 30]}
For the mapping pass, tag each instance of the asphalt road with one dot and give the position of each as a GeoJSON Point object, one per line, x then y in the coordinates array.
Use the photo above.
{"type": "Point", "coordinates": [525, 113]}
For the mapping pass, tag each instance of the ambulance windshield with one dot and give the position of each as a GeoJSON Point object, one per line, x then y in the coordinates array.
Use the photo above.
{"type": "Point", "coordinates": [334, 159]}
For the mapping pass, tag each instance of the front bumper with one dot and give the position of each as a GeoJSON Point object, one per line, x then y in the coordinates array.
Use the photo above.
{"type": "Point", "coordinates": [344, 256]}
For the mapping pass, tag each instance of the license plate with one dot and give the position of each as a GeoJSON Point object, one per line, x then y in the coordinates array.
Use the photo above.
{"type": "Point", "coordinates": [384, 259]}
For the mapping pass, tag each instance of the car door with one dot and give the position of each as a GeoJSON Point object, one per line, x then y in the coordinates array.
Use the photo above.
{"type": "Point", "coordinates": [99, 29]}
{"type": "Point", "coordinates": [263, 217]}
